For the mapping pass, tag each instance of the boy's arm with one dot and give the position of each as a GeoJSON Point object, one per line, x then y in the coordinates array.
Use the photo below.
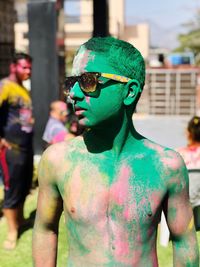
{"type": "Point", "coordinates": [49, 209]}
{"type": "Point", "coordinates": [179, 215]}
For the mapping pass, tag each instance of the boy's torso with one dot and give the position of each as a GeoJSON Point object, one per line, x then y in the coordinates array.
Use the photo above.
{"type": "Point", "coordinates": [112, 207]}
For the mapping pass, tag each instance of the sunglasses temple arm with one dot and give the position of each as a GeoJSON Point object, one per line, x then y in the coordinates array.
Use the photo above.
{"type": "Point", "coordinates": [116, 77]}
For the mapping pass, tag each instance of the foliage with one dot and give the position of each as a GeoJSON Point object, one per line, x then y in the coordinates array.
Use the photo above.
{"type": "Point", "coordinates": [22, 255]}
{"type": "Point", "coordinates": [190, 41]}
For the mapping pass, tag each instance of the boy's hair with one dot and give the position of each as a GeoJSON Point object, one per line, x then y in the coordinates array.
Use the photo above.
{"type": "Point", "coordinates": [20, 55]}
{"type": "Point", "coordinates": [121, 55]}
{"type": "Point", "coordinates": [194, 128]}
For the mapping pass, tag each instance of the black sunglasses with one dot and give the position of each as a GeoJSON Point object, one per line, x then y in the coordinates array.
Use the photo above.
{"type": "Point", "coordinates": [88, 80]}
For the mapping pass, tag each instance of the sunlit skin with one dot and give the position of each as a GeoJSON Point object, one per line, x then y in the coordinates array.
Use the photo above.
{"type": "Point", "coordinates": [113, 184]}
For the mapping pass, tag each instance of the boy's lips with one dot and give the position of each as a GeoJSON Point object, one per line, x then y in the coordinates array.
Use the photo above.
{"type": "Point", "coordinates": [79, 110]}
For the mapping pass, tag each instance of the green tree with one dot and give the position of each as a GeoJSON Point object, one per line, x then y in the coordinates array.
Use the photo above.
{"type": "Point", "coordinates": [190, 41]}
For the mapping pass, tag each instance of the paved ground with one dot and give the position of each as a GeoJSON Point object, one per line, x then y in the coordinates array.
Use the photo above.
{"type": "Point", "coordinates": [165, 130]}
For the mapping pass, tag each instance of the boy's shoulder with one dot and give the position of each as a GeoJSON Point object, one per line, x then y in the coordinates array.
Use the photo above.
{"type": "Point", "coordinates": [167, 156]}
{"type": "Point", "coordinates": [57, 152]}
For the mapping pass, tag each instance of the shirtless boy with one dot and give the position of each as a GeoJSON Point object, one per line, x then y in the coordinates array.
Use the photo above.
{"type": "Point", "coordinates": [112, 183]}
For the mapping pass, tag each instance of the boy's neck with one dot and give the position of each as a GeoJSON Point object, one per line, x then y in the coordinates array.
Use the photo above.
{"type": "Point", "coordinates": [112, 138]}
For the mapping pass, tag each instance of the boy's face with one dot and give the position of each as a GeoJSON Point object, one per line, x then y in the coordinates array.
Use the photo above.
{"type": "Point", "coordinates": [105, 104]}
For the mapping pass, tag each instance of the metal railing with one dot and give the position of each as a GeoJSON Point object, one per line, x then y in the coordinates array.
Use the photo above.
{"type": "Point", "coordinates": [170, 92]}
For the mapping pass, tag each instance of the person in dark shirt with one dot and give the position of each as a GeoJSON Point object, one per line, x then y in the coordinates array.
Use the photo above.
{"type": "Point", "coordinates": [16, 153]}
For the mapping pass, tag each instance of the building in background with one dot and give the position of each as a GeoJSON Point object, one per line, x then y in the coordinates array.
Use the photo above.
{"type": "Point", "coordinates": [139, 36]}
{"type": "Point", "coordinates": [164, 93]}
{"type": "Point", "coordinates": [7, 20]}
{"type": "Point", "coordinates": [78, 26]}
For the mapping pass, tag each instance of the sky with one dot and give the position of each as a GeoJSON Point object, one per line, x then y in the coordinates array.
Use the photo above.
{"type": "Point", "coordinates": [166, 18]}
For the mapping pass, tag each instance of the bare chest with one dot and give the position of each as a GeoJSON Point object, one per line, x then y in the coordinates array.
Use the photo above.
{"type": "Point", "coordinates": [124, 196]}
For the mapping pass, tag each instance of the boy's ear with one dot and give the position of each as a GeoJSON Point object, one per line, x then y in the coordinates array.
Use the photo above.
{"type": "Point", "coordinates": [133, 89]}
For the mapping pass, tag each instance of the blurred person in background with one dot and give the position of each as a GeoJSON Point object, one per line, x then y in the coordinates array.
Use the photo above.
{"type": "Point", "coordinates": [191, 156]}
{"type": "Point", "coordinates": [16, 151]}
{"type": "Point", "coordinates": [55, 130]}
{"type": "Point", "coordinates": [191, 152]}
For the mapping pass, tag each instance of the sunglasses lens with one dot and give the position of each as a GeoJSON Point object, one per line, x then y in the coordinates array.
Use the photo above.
{"type": "Point", "coordinates": [88, 82]}
{"type": "Point", "coordinates": [69, 83]}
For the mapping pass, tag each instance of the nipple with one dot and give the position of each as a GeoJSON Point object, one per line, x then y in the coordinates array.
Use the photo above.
{"type": "Point", "coordinates": [72, 210]}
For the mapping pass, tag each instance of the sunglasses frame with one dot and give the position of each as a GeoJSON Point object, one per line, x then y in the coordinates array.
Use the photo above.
{"type": "Point", "coordinates": [109, 76]}
{"type": "Point", "coordinates": [115, 77]}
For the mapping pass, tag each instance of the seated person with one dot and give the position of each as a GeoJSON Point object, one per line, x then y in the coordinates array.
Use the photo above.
{"type": "Point", "coordinates": [55, 130]}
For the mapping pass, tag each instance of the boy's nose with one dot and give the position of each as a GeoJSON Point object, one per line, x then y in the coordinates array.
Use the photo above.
{"type": "Point", "coordinates": [76, 92]}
